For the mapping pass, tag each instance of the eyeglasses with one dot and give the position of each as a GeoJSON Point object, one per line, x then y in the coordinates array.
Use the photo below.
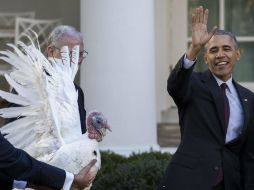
{"type": "Point", "coordinates": [82, 54]}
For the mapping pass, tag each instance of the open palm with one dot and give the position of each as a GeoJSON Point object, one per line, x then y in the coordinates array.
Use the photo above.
{"type": "Point", "coordinates": [200, 35]}
{"type": "Point", "coordinates": [199, 27]}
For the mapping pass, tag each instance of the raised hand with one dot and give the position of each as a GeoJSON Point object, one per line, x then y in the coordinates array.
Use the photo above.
{"type": "Point", "coordinates": [200, 35]}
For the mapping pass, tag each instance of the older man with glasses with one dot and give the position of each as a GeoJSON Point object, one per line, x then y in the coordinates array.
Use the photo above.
{"type": "Point", "coordinates": [65, 35]}
{"type": "Point", "coordinates": [62, 35]}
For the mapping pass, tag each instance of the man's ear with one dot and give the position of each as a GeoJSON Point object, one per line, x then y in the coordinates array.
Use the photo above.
{"type": "Point", "coordinates": [50, 51]}
{"type": "Point", "coordinates": [238, 54]}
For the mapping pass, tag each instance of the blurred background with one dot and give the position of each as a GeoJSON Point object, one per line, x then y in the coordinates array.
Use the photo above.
{"type": "Point", "coordinates": [132, 45]}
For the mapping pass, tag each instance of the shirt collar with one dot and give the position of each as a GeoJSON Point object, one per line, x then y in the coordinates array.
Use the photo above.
{"type": "Point", "coordinates": [229, 82]}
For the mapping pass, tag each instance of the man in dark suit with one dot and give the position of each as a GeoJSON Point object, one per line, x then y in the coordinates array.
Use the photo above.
{"type": "Point", "coordinates": [214, 115]}
{"type": "Point", "coordinates": [17, 164]}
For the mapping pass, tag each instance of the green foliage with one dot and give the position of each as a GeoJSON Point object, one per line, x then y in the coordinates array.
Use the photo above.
{"type": "Point", "coordinates": [136, 172]}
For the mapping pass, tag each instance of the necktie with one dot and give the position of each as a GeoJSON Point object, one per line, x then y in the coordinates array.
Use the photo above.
{"type": "Point", "coordinates": [226, 106]}
{"type": "Point", "coordinates": [226, 119]}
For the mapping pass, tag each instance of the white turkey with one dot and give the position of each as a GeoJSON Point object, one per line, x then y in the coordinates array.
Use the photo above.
{"type": "Point", "coordinates": [48, 124]}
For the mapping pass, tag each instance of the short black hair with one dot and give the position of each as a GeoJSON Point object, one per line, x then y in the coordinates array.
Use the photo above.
{"type": "Point", "coordinates": [230, 34]}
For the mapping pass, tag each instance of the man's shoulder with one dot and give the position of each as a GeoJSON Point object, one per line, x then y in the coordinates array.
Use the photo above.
{"type": "Point", "coordinates": [244, 89]}
{"type": "Point", "coordinates": [202, 75]}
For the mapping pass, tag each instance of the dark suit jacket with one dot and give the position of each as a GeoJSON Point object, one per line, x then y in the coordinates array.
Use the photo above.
{"type": "Point", "coordinates": [202, 150]}
{"type": "Point", "coordinates": [17, 164]}
{"type": "Point", "coordinates": [7, 182]}
{"type": "Point", "coordinates": [82, 111]}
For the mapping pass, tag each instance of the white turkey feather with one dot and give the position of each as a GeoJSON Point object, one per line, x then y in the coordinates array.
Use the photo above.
{"type": "Point", "coordinates": [14, 98]}
{"type": "Point", "coordinates": [74, 58]}
{"type": "Point", "coordinates": [17, 112]}
{"type": "Point", "coordinates": [48, 125]}
{"type": "Point", "coordinates": [20, 89]}
{"type": "Point", "coordinates": [20, 78]}
{"type": "Point", "coordinates": [19, 124]}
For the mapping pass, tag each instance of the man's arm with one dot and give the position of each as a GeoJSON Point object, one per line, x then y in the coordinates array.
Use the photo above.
{"type": "Point", "coordinates": [178, 84]}
{"type": "Point", "coordinates": [247, 153]}
{"type": "Point", "coordinates": [5, 182]}
{"type": "Point", "coordinates": [17, 164]}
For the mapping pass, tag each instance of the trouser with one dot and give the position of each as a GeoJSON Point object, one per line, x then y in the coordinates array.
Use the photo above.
{"type": "Point", "coordinates": [220, 186]}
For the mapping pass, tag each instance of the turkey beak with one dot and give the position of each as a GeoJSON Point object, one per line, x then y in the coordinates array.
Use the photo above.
{"type": "Point", "coordinates": [103, 130]}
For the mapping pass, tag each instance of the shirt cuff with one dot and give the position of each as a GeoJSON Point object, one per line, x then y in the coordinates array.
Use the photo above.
{"type": "Point", "coordinates": [19, 184]}
{"type": "Point", "coordinates": [187, 63]}
{"type": "Point", "coordinates": [68, 181]}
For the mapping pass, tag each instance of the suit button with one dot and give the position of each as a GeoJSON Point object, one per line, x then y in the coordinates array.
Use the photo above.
{"type": "Point", "coordinates": [216, 168]}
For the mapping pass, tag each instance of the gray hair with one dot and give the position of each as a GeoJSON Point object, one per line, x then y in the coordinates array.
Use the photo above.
{"type": "Point", "coordinates": [62, 31]}
{"type": "Point", "coordinates": [230, 34]}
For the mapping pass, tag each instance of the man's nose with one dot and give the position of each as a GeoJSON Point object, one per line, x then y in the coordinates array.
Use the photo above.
{"type": "Point", "coordinates": [220, 54]}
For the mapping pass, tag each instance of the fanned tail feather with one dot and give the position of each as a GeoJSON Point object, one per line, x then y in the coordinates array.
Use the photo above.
{"type": "Point", "coordinates": [20, 89]}
{"type": "Point", "coordinates": [13, 112]}
{"type": "Point", "coordinates": [48, 116]}
{"type": "Point", "coordinates": [14, 98]}
{"type": "Point", "coordinates": [74, 62]}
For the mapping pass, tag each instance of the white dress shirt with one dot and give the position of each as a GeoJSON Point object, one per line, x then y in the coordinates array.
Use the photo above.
{"type": "Point", "coordinates": [236, 116]}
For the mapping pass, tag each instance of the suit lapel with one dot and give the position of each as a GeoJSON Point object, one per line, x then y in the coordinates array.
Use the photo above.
{"type": "Point", "coordinates": [216, 93]}
{"type": "Point", "coordinates": [217, 96]}
{"type": "Point", "coordinates": [235, 144]}
{"type": "Point", "coordinates": [243, 97]}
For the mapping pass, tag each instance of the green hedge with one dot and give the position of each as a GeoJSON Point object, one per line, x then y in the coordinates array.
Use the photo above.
{"type": "Point", "coordinates": [136, 172]}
